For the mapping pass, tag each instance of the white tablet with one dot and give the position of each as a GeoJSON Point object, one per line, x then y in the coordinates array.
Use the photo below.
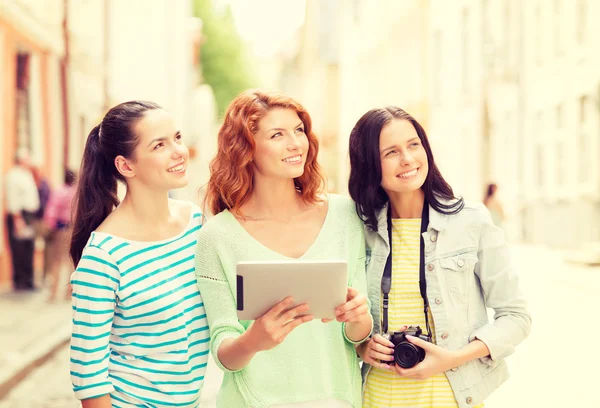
{"type": "Point", "coordinates": [320, 284]}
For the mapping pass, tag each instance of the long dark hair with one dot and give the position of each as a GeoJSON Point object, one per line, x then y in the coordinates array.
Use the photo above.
{"type": "Point", "coordinates": [364, 185]}
{"type": "Point", "coordinates": [96, 194]}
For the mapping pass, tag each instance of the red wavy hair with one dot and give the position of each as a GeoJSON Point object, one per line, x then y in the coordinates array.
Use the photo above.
{"type": "Point", "coordinates": [232, 169]}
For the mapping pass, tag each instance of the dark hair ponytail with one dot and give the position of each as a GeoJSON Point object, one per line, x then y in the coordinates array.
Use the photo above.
{"type": "Point", "coordinates": [96, 194]}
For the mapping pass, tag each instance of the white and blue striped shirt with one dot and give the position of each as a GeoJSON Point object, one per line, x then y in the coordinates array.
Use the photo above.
{"type": "Point", "coordinates": [139, 328]}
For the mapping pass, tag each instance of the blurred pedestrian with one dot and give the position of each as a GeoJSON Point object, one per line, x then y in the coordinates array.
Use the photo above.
{"type": "Point", "coordinates": [41, 230]}
{"type": "Point", "coordinates": [57, 219]}
{"type": "Point", "coordinates": [22, 203]}
{"type": "Point", "coordinates": [493, 204]}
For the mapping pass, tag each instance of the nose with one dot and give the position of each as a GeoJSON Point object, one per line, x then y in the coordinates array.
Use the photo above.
{"type": "Point", "coordinates": [179, 150]}
{"type": "Point", "coordinates": [294, 143]}
{"type": "Point", "coordinates": [405, 158]}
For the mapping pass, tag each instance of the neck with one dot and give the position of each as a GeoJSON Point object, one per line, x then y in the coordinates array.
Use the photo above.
{"type": "Point", "coordinates": [147, 207]}
{"type": "Point", "coordinates": [273, 199]}
{"type": "Point", "coordinates": [407, 205]}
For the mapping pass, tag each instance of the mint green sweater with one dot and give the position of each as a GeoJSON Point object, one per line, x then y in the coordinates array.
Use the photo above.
{"type": "Point", "coordinates": [316, 361]}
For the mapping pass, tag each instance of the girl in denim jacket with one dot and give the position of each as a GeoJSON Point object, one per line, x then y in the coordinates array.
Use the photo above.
{"type": "Point", "coordinates": [435, 262]}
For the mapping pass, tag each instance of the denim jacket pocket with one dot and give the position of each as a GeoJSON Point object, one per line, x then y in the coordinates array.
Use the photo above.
{"type": "Point", "coordinates": [459, 268]}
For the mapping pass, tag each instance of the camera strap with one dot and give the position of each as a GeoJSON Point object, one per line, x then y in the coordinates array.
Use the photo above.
{"type": "Point", "coordinates": [386, 281]}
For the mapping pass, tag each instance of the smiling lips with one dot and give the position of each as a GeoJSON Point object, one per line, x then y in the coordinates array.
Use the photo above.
{"type": "Point", "coordinates": [293, 159]}
{"type": "Point", "coordinates": [408, 174]}
{"type": "Point", "coordinates": [178, 168]}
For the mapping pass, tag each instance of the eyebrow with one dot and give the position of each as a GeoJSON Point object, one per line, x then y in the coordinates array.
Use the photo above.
{"type": "Point", "coordinates": [162, 139]}
{"type": "Point", "coordinates": [282, 129]}
{"type": "Point", "coordinates": [393, 146]}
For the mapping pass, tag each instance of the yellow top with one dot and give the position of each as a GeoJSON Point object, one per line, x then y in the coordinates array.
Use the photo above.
{"type": "Point", "coordinates": [386, 388]}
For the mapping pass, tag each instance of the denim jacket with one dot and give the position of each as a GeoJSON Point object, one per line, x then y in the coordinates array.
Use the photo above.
{"type": "Point", "coordinates": [467, 268]}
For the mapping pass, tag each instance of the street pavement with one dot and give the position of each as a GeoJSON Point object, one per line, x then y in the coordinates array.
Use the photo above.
{"type": "Point", "coordinates": [555, 367]}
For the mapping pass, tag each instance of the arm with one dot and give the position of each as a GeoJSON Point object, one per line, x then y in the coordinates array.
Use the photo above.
{"type": "Point", "coordinates": [94, 282]}
{"type": "Point", "coordinates": [356, 314]}
{"type": "Point", "coordinates": [99, 402]}
{"type": "Point", "coordinates": [501, 292]}
{"type": "Point", "coordinates": [500, 286]}
{"type": "Point", "coordinates": [232, 346]}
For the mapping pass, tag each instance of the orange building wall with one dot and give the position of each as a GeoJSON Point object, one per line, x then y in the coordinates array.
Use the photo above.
{"type": "Point", "coordinates": [8, 144]}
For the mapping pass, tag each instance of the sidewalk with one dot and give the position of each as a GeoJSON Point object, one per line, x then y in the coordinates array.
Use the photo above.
{"type": "Point", "coordinates": [31, 329]}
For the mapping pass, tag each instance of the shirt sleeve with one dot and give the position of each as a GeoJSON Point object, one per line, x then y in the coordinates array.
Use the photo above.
{"type": "Point", "coordinates": [217, 292]}
{"type": "Point", "coordinates": [358, 279]}
{"type": "Point", "coordinates": [95, 283]}
{"type": "Point", "coordinates": [500, 285]}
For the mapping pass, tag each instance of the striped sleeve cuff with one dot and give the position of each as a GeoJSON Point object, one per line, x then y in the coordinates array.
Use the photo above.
{"type": "Point", "coordinates": [95, 390]}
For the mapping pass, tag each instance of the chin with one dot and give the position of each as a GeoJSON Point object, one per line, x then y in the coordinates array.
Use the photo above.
{"type": "Point", "coordinates": [179, 184]}
{"type": "Point", "coordinates": [297, 174]}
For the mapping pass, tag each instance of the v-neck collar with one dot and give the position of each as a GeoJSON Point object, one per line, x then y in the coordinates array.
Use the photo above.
{"type": "Point", "coordinates": [259, 244]}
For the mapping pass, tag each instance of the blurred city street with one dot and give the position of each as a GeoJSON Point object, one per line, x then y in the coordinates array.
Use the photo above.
{"type": "Point", "coordinates": [554, 367]}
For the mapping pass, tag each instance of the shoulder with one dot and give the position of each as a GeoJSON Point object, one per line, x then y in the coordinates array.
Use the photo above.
{"type": "Point", "coordinates": [185, 209]}
{"type": "Point", "coordinates": [98, 251]}
{"type": "Point", "coordinates": [473, 212]}
{"type": "Point", "coordinates": [342, 205]}
{"type": "Point", "coordinates": [217, 225]}
{"type": "Point", "coordinates": [343, 211]}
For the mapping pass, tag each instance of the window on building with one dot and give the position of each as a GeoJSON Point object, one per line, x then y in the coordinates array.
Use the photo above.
{"type": "Point", "coordinates": [559, 117]}
{"type": "Point", "coordinates": [539, 147]}
{"type": "Point", "coordinates": [560, 162]}
{"type": "Point", "coordinates": [465, 50]}
{"type": "Point", "coordinates": [557, 29]}
{"type": "Point", "coordinates": [560, 148]}
{"type": "Point", "coordinates": [540, 179]}
{"type": "Point", "coordinates": [22, 103]}
{"type": "Point", "coordinates": [583, 102]}
{"type": "Point", "coordinates": [507, 32]}
{"type": "Point", "coordinates": [539, 30]}
{"type": "Point", "coordinates": [437, 66]}
{"type": "Point", "coordinates": [581, 23]}
{"type": "Point", "coordinates": [583, 142]}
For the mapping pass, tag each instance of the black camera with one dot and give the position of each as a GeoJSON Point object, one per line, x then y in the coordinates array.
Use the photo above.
{"type": "Point", "coordinates": [406, 354]}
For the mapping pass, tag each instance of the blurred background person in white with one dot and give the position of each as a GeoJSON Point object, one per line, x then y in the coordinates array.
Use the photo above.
{"type": "Point", "coordinates": [22, 201]}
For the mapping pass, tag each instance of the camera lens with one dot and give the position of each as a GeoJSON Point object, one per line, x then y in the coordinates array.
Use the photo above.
{"type": "Point", "coordinates": [407, 355]}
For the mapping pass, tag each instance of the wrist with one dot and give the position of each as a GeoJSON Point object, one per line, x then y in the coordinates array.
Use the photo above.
{"type": "Point", "coordinates": [364, 322]}
{"type": "Point", "coordinates": [246, 343]}
{"type": "Point", "coordinates": [361, 349]}
{"type": "Point", "coordinates": [456, 359]}
{"type": "Point", "coordinates": [360, 330]}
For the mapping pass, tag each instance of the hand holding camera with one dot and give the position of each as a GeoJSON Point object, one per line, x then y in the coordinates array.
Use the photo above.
{"type": "Point", "coordinates": [436, 360]}
{"type": "Point", "coordinates": [377, 352]}
{"type": "Point", "coordinates": [407, 354]}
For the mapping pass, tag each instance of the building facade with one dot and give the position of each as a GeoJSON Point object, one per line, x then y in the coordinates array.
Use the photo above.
{"type": "Point", "coordinates": [64, 63]}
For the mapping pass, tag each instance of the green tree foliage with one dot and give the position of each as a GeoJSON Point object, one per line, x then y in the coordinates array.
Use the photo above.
{"type": "Point", "coordinates": [222, 57]}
